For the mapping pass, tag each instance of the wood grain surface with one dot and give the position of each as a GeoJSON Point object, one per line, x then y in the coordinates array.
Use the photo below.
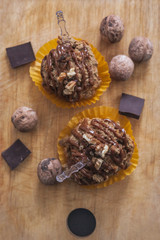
{"type": "Point", "coordinates": [128, 209]}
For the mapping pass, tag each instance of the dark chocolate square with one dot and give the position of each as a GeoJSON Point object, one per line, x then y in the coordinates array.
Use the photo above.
{"type": "Point", "coordinates": [20, 55]}
{"type": "Point", "coordinates": [15, 154]}
{"type": "Point", "coordinates": [131, 106]}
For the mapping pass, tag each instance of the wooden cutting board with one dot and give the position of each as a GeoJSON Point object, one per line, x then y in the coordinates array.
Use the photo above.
{"type": "Point", "coordinates": [128, 209]}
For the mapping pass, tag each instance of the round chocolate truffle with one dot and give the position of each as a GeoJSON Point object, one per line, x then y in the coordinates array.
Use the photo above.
{"type": "Point", "coordinates": [112, 29]}
{"type": "Point", "coordinates": [48, 169]}
{"type": "Point", "coordinates": [140, 49]}
{"type": "Point", "coordinates": [121, 67]}
{"type": "Point", "coordinates": [24, 119]}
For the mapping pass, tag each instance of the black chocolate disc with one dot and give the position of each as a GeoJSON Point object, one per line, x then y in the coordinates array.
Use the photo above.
{"type": "Point", "coordinates": [81, 222]}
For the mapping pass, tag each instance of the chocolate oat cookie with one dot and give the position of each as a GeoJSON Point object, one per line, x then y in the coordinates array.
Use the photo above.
{"type": "Point", "coordinates": [70, 70]}
{"type": "Point", "coordinates": [103, 144]}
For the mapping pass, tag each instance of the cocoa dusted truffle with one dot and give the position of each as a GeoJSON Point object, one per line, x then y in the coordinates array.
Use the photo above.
{"type": "Point", "coordinates": [121, 67]}
{"type": "Point", "coordinates": [112, 29]}
{"type": "Point", "coordinates": [48, 169]}
{"type": "Point", "coordinates": [140, 49]}
{"type": "Point", "coordinates": [24, 119]}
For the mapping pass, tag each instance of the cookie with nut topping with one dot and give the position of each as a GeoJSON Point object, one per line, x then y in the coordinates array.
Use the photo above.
{"type": "Point", "coordinates": [70, 71]}
{"type": "Point", "coordinates": [103, 144]}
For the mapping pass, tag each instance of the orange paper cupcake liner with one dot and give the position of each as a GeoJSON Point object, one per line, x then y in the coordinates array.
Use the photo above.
{"type": "Point", "coordinates": [101, 112]}
{"type": "Point", "coordinates": [35, 73]}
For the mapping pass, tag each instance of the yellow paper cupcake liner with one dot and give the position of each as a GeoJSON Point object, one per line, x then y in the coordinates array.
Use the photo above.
{"type": "Point", "coordinates": [35, 73]}
{"type": "Point", "coordinates": [101, 112]}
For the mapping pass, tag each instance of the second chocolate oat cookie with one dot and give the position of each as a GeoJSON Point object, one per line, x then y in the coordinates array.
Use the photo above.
{"type": "Point", "coordinates": [108, 146]}
{"type": "Point", "coordinates": [103, 144]}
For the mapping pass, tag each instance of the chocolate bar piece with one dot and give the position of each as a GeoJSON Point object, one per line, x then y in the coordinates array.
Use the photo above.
{"type": "Point", "coordinates": [20, 55]}
{"type": "Point", "coordinates": [15, 154]}
{"type": "Point", "coordinates": [81, 222]}
{"type": "Point", "coordinates": [131, 106]}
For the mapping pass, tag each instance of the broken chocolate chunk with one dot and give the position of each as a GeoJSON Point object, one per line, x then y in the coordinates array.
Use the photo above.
{"type": "Point", "coordinates": [20, 55]}
{"type": "Point", "coordinates": [15, 154]}
{"type": "Point", "coordinates": [131, 106]}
